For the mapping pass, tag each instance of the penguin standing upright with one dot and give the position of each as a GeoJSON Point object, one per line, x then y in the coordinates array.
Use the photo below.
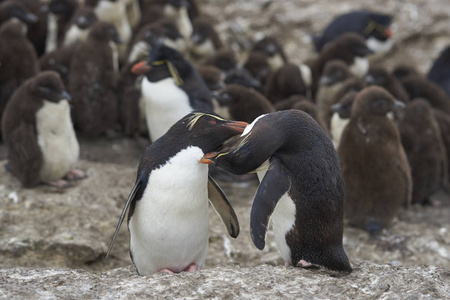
{"type": "Point", "coordinates": [171, 88]}
{"type": "Point", "coordinates": [381, 77]}
{"type": "Point", "coordinates": [424, 147]}
{"type": "Point", "coordinates": [334, 74]}
{"type": "Point", "coordinates": [168, 217]}
{"type": "Point", "coordinates": [38, 133]}
{"type": "Point", "coordinates": [92, 81]}
{"type": "Point", "coordinates": [274, 51]}
{"type": "Point", "coordinates": [341, 112]}
{"type": "Point", "coordinates": [204, 40]}
{"type": "Point", "coordinates": [301, 189]}
{"type": "Point", "coordinates": [18, 60]}
{"type": "Point", "coordinates": [376, 170]}
{"type": "Point", "coordinates": [372, 25]}
{"type": "Point", "coordinates": [114, 11]}
{"type": "Point", "coordinates": [77, 28]}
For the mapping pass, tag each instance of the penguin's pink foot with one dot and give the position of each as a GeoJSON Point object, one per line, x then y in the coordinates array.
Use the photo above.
{"type": "Point", "coordinates": [192, 268]}
{"type": "Point", "coordinates": [167, 271]}
{"type": "Point", "coordinates": [60, 183]}
{"type": "Point", "coordinates": [75, 174]}
{"type": "Point", "coordinates": [287, 264]}
{"type": "Point", "coordinates": [304, 264]}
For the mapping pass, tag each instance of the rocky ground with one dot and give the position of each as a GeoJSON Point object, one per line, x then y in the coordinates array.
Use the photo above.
{"type": "Point", "coordinates": [53, 242]}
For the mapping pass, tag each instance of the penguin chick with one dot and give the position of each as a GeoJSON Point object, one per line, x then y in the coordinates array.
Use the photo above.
{"type": "Point", "coordinates": [14, 9]}
{"type": "Point", "coordinates": [372, 25]}
{"type": "Point", "coordinates": [59, 14]}
{"type": "Point", "coordinates": [224, 59]}
{"type": "Point", "coordinates": [419, 87]}
{"type": "Point", "coordinates": [274, 51]}
{"type": "Point", "coordinates": [423, 144]}
{"type": "Point", "coordinates": [381, 77]}
{"type": "Point", "coordinates": [257, 65]}
{"type": "Point", "coordinates": [171, 88]}
{"type": "Point", "coordinates": [38, 133]}
{"type": "Point", "coordinates": [92, 81]}
{"type": "Point", "coordinates": [18, 60]}
{"type": "Point", "coordinates": [204, 40]}
{"type": "Point", "coordinates": [213, 77]}
{"type": "Point", "coordinates": [352, 84]}
{"type": "Point", "coordinates": [168, 217]}
{"type": "Point", "coordinates": [439, 72]}
{"type": "Point", "coordinates": [334, 74]}
{"type": "Point", "coordinates": [301, 189]}
{"type": "Point", "coordinates": [376, 170]}
{"type": "Point", "coordinates": [237, 102]}
{"type": "Point", "coordinates": [350, 48]}
{"type": "Point", "coordinates": [79, 25]}
{"type": "Point", "coordinates": [242, 77]}
{"type": "Point", "coordinates": [288, 80]}
{"type": "Point", "coordinates": [114, 11]}
{"type": "Point", "coordinates": [403, 70]}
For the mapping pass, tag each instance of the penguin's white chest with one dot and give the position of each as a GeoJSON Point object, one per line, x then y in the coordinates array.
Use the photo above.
{"type": "Point", "coordinates": [360, 66]}
{"type": "Point", "coordinates": [202, 50]}
{"type": "Point", "coordinates": [170, 223]}
{"type": "Point", "coordinates": [57, 140]}
{"type": "Point", "coordinates": [75, 34]}
{"type": "Point", "coordinates": [165, 103]}
{"type": "Point", "coordinates": [283, 218]}
{"type": "Point", "coordinates": [51, 41]}
{"type": "Point", "coordinates": [337, 126]}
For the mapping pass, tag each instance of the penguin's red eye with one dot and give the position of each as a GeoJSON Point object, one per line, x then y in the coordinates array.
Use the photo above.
{"type": "Point", "coordinates": [212, 122]}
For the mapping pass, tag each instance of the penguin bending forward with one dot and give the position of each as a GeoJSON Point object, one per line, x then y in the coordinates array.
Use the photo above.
{"type": "Point", "coordinates": [301, 189]}
{"type": "Point", "coordinates": [168, 206]}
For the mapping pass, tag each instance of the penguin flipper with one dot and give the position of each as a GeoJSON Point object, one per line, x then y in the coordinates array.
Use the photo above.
{"type": "Point", "coordinates": [223, 207]}
{"type": "Point", "coordinates": [24, 154]}
{"type": "Point", "coordinates": [274, 185]}
{"type": "Point", "coordinates": [135, 189]}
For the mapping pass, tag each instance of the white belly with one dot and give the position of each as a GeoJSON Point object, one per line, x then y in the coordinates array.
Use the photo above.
{"type": "Point", "coordinates": [170, 224]}
{"type": "Point", "coordinates": [57, 140]}
{"type": "Point", "coordinates": [325, 95]}
{"type": "Point", "coordinates": [360, 66]}
{"type": "Point", "coordinates": [380, 47]}
{"type": "Point", "coordinates": [337, 126]}
{"type": "Point", "coordinates": [275, 62]}
{"type": "Point", "coordinates": [165, 104]}
{"type": "Point", "coordinates": [283, 218]}
{"type": "Point", "coordinates": [75, 34]}
{"type": "Point", "coordinates": [203, 50]}
{"type": "Point", "coordinates": [51, 41]}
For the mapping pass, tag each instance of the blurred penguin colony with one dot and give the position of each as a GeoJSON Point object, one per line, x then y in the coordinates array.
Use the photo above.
{"type": "Point", "coordinates": [135, 68]}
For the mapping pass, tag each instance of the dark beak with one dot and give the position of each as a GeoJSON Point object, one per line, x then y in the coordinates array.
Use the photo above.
{"type": "Point", "coordinates": [336, 107]}
{"type": "Point", "coordinates": [65, 95]}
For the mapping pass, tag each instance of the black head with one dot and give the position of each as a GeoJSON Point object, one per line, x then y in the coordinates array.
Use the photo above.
{"type": "Point", "coordinates": [242, 77]}
{"type": "Point", "coordinates": [14, 9]}
{"type": "Point", "coordinates": [207, 131]}
{"type": "Point", "coordinates": [201, 31]}
{"type": "Point", "coordinates": [334, 71]}
{"type": "Point", "coordinates": [344, 106]}
{"type": "Point", "coordinates": [178, 3]}
{"type": "Point", "coordinates": [84, 17]}
{"type": "Point", "coordinates": [48, 85]}
{"type": "Point", "coordinates": [105, 31]}
{"type": "Point", "coordinates": [402, 71]}
{"type": "Point", "coordinates": [166, 27]}
{"type": "Point", "coordinates": [267, 45]}
{"type": "Point", "coordinates": [377, 76]}
{"type": "Point", "coordinates": [60, 7]}
{"type": "Point", "coordinates": [378, 26]}
{"type": "Point", "coordinates": [354, 43]}
{"type": "Point", "coordinates": [375, 101]}
{"type": "Point", "coordinates": [224, 59]}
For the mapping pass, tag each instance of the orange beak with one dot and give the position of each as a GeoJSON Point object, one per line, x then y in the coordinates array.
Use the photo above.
{"type": "Point", "coordinates": [206, 159]}
{"type": "Point", "coordinates": [140, 68]}
{"type": "Point", "coordinates": [237, 125]}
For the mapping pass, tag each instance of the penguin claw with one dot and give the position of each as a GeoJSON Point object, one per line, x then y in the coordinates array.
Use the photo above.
{"type": "Point", "coordinates": [192, 268]}
{"type": "Point", "coordinates": [304, 264]}
{"type": "Point", "coordinates": [166, 271]}
{"type": "Point", "coordinates": [75, 174]}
